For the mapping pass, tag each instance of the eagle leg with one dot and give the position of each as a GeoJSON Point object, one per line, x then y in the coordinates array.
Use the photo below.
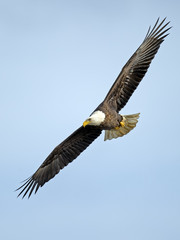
{"type": "Point", "coordinates": [127, 124]}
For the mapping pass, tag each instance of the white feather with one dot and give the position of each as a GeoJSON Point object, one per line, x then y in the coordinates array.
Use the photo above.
{"type": "Point", "coordinates": [97, 118]}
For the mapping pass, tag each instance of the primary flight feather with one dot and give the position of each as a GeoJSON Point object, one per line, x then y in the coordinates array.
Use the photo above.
{"type": "Point", "coordinates": [106, 116]}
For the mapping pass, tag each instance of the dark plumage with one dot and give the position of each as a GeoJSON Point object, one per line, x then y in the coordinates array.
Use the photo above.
{"type": "Point", "coordinates": [106, 116]}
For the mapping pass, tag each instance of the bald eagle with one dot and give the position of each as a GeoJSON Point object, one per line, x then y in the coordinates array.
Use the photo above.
{"type": "Point", "coordinates": [106, 116]}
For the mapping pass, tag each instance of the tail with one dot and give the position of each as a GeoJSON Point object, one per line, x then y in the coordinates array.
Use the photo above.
{"type": "Point", "coordinates": [130, 122]}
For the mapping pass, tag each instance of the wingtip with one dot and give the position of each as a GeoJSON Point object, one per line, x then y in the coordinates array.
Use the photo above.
{"type": "Point", "coordinates": [157, 29]}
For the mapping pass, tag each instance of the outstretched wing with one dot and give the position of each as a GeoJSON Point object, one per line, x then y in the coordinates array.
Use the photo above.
{"type": "Point", "coordinates": [60, 157]}
{"type": "Point", "coordinates": [135, 69]}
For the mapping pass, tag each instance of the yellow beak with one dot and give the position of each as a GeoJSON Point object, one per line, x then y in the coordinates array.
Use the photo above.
{"type": "Point", "coordinates": [86, 123]}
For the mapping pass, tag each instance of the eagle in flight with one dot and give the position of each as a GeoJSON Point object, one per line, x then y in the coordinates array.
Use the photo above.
{"type": "Point", "coordinates": [106, 116]}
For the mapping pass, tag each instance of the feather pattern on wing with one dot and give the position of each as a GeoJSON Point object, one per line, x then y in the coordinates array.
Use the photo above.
{"type": "Point", "coordinates": [135, 69]}
{"type": "Point", "coordinates": [60, 157]}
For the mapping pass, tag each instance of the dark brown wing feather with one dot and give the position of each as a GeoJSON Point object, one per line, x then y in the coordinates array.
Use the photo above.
{"type": "Point", "coordinates": [135, 69]}
{"type": "Point", "coordinates": [60, 157]}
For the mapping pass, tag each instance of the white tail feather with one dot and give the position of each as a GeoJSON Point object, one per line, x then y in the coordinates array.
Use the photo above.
{"type": "Point", "coordinates": [130, 123]}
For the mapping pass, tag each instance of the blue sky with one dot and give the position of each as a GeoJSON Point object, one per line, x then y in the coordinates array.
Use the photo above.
{"type": "Point", "coordinates": [58, 60]}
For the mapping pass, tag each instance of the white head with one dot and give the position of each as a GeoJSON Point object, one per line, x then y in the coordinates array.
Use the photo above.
{"type": "Point", "coordinates": [95, 119]}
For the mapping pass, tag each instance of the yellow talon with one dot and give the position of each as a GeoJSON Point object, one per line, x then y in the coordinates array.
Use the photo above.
{"type": "Point", "coordinates": [122, 123]}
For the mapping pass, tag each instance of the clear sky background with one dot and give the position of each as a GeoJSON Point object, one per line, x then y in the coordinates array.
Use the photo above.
{"type": "Point", "coordinates": [58, 60]}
